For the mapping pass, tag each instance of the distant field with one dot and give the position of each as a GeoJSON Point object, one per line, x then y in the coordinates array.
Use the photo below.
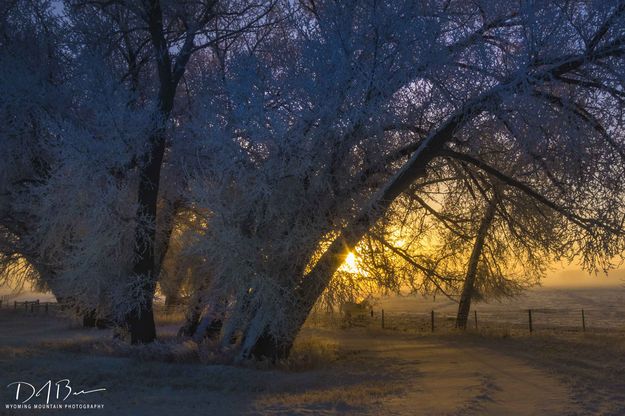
{"type": "Point", "coordinates": [601, 298]}
{"type": "Point", "coordinates": [604, 308]}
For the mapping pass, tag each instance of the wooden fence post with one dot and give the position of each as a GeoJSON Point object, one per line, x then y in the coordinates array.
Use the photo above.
{"type": "Point", "coordinates": [583, 321]}
{"type": "Point", "coordinates": [46, 307]}
{"type": "Point", "coordinates": [529, 315]}
{"type": "Point", "coordinates": [14, 304]}
{"type": "Point", "coordinates": [432, 319]}
{"type": "Point", "coordinates": [475, 315]}
{"type": "Point", "coordinates": [382, 318]}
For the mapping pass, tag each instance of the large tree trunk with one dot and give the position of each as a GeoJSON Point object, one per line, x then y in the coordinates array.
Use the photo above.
{"type": "Point", "coordinates": [315, 282]}
{"type": "Point", "coordinates": [141, 319]}
{"type": "Point", "coordinates": [474, 260]}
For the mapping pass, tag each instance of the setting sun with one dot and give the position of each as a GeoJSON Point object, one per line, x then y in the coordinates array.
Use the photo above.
{"type": "Point", "coordinates": [350, 265]}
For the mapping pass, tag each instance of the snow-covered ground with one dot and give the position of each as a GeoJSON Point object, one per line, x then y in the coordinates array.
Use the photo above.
{"type": "Point", "coordinates": [356, 371]}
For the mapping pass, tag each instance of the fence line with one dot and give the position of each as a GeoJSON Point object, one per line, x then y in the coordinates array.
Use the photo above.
{"type": "Point", "coordinates": [30, 306]}
{"type": "Point", "coordinates": [529, 320]}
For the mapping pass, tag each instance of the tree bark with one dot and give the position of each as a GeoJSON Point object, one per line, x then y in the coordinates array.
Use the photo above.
{"type": "Point", "coordinates": [474, 260]}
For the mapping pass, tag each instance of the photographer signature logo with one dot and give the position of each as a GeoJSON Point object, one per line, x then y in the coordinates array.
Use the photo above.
{"type": "Point", "coordinates": [50, 395]}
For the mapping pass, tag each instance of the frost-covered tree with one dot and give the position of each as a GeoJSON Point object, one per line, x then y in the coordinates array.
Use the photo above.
{"type": "Point", "coordinates": [111, 146]}
{"type": "Point", "coordinates": [176, 31]}
{"type": "Point", "coordinates": [32, 62]}
{"type": "Point", "coordinates": [62, 133]}
{"type": "Point", "coordinates": [315, 144]}
{"type": "Point", "coordinates": [539, 81]}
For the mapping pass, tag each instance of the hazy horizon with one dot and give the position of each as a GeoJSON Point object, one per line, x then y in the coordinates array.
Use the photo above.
{"type": "Point", "coordinates": [576, 277]}
{"type": "Point", "coordinates": [559, 277]}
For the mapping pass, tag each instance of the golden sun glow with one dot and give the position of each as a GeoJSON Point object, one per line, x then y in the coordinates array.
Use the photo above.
{"type": "Point", "coordinates": [350, 265]}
